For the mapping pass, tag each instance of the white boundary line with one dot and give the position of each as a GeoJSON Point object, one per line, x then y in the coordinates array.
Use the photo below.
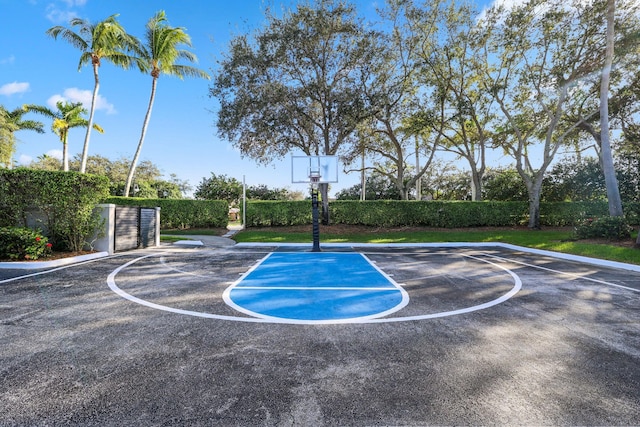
{"type": "Point", "coordinates": [539, 267]}
{"type": "Point", "coordinates": [114, 287]}
{"type": "Point", "coordinates": [62, 267]}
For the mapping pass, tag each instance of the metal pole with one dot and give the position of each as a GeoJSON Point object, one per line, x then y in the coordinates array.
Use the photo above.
{"type": "Point", "coordinates": [244, 203]}
{"type": "Point", "coordinates": [316, 226]}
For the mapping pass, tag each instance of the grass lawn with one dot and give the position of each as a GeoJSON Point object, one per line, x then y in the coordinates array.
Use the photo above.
{"type": "Point", "coordinates": [558, 240]}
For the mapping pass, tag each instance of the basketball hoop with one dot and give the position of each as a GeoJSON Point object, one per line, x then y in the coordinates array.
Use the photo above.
{"type": "Point", "coordinates": [314, 170]}
{"type": "Point", "coordinates": [314, 179]}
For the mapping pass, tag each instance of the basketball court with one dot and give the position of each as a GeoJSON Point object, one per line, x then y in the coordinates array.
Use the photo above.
{"type": "Point", "coordinates": [340, 284]}
{"type": "Point", "coordinates": [350, 335]}
{"type": "Point", "coordinates": [322, 335]}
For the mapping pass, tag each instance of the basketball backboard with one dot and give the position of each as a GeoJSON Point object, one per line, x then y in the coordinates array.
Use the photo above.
{"type": "Point", "coordinates": [305, 167]}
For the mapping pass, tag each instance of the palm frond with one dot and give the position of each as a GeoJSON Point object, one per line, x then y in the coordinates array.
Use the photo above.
{"type": "Point", "coordinates": [182, 71]}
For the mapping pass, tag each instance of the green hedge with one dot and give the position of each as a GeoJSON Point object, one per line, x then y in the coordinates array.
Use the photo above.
{"type": "Point", "coordinates": [561, 214]}
{"type": "Point", "coordinates": [444, 214]}
{"type": "Point", "coordinates": [61, 203]}
{"type": "Point", "coordinates": [182, 213]}
{"type": "Point", "coordinates": [272, 213]}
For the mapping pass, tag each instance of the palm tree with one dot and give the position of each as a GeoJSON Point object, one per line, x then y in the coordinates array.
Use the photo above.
{"type": "Point", "coordinates": [6, 143]}
{"type": "Point", "coordinates": [106, 40]}
{"type": "Point", "coordinates": [159, 55]}
{"type": "Point", "coordinates": [12, 122]}
{"type": "Point", "coordinates": [68, 116]}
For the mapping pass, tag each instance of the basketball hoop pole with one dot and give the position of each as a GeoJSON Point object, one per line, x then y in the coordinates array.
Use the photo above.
{"type": "Point", "coordinates": [315, 179]}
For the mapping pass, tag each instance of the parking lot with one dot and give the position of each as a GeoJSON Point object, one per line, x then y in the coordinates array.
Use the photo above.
{"type": "Point", "coordinates": [486, 336]}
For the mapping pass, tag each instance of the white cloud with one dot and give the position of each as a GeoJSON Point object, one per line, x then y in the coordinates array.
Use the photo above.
{"type": "Point", "coordinates": [507, 4]}
{"type": "Point", "coordinates": [8, 60]}
{"type": "Point", "coordinates": [56, 154]}
{"type": "Point", "coordinates": [72, 3]}
{"type": "Point", "coordinates": [59, 16]}
{"type": "Point", "coordinates": [512, 4]}
{"type": "Point", "coordinates": [53, 100]}
{"type": "Point", "coordinates": [13, 88]}
{"type": "Point", "coordinates": [74, 94]}
{"type": "Point", "coordinates": [23, 159]}
{"type": "Point", "coordinates": [61, 11]}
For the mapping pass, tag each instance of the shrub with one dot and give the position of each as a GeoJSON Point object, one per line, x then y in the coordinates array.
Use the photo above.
{"type": "Point", "coordinates": [18, 243]}
{"type": "Point", "coordinates": [276, 213]}
{"type": "Point", "coordinates": [609, 227]}
{"type": "Point", "coordinates": [63, 203]}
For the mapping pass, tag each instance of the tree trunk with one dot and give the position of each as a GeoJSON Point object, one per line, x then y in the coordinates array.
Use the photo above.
{"type": "Point", "coordinates": [611, 182]}
{"type": "Point", "coordinates": [534, 201]}
{"type": "Point", "coordinates": [85, 148]}
{"type": "Point", "coordinates": [534, 213]}
{"type": "Point", "coordinates": [419, 180]}
{"type": "Point", "coordinates": [363, 181]}
{"type": "Point", "coordinates": [476, 186]}
{"type": "Point", "coordinates": [65, 153]}
{"type": "Point", "coordinates": [132, 168]}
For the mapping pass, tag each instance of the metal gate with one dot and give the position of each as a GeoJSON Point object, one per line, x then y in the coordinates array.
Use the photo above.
{"type": "Point", "coordinates": [147, 227]}
{"type": "Point", "coordinates": [135, 227]}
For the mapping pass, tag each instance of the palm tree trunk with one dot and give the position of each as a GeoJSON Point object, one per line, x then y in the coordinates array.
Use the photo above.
{"type": "Point", "coordinates": [611, 182]}
{"type": "Point", "coordinates": [85, 149]}
{"type": "Point", "coordinates": [132, 168]}
{"type": "Point", "coordinates": [65, 152]}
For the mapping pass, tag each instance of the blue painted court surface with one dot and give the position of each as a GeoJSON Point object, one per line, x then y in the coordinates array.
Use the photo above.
{"type": "Point", "coordinates": [316, 287]}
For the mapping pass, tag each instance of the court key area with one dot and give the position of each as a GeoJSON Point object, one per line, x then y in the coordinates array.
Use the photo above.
{"type": "Point", "coordinates": [364, 335]}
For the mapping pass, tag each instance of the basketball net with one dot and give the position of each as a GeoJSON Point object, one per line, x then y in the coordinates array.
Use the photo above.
{"type": "Point", "coordinates": [314, 179]}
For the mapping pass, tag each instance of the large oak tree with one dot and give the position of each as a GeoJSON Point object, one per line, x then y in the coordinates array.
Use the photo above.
{"type": "Point", "coordinates": [295, 85]}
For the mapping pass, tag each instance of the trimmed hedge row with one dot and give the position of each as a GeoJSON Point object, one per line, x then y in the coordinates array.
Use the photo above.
{"type": "Point", "coordinates": [59, 203]}
{"type": "Point", "coordinates": [182, 213]}
{"type": "Point", "coordinates": [261, 213]}
{"type": "Point", "coordinates": [441, 214]}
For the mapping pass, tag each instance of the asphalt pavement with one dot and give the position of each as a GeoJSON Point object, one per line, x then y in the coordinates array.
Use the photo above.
{"type": "Point", "coordinates": [490, 336]}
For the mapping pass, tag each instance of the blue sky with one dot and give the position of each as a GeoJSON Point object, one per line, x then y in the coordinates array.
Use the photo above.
{"type": "Point", "coordinates": [181, 138]}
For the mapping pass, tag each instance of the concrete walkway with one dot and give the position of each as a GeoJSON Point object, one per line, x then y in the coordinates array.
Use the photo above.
{"type": "Point", "coordinates": [207, 240]}
{"type": "Point", "coordinates": [202, 240]}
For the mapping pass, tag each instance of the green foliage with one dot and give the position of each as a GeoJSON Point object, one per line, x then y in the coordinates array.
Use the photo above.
{"type": "Point", "coordinates": [162, 53]}
{"type": "Point", "coordinates": [609, 227]}
{"type": "Point", "coordinates": [572, 180]}
{"type": "Point", "coordinates": [297, 78]}
{"type": "Point", "coordinates": [10, 123]}
{"type": "Point", "coordinates": [504, 184]}
{"type": "Point", "coordinates": [628, 171]}
{"type": "Point", "coordinates": [449, 214]}
{"type": "Point", "coordinates": [270, 213]}
{"type": "Point", "coordinates": [67, 116]}
{"type": "Point", "coordinates": [219, 187]}
{"type": "Point", "coordinates": [377, 187]}
{"type": "Point", "coordinates": [147, 176]}
{"type": "Point", "coordinates": [63, 204]}
{"type": "Point", "coordinates": [632, 212]}
{"type": "Point", "coordinates": [445, 214]}
{"type": "Point", "coordinates": [262, 192]}
{"type": "Point", "coordinates": [182, 213]}
{"type": "Point", "coordinates": [559, 214]}
{"type": "Point", "coordinates": [18, 243]}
